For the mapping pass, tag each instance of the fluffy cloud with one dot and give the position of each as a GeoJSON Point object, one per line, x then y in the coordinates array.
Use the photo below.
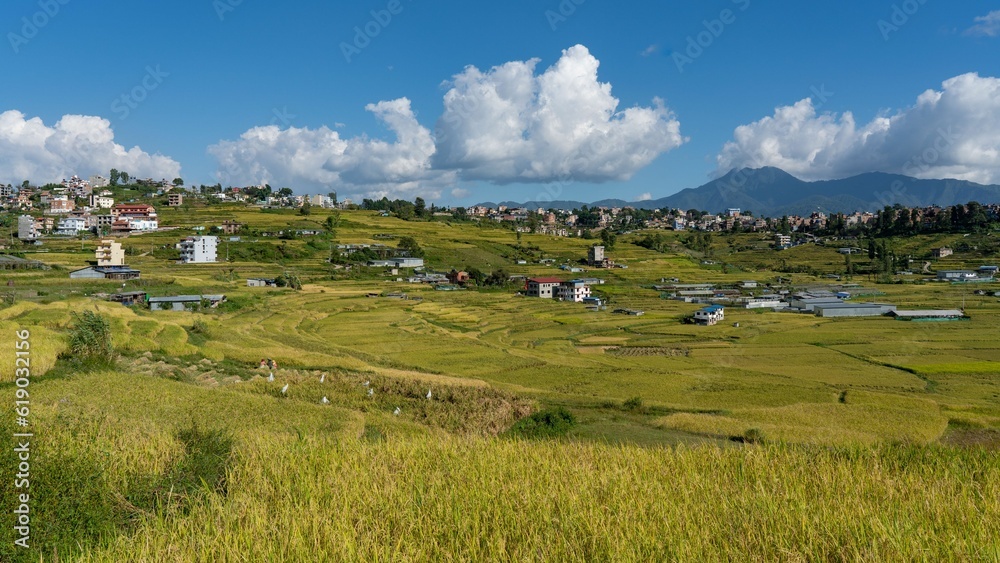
{"type": "Point", "coordinates": [320, 158]}
{"type": "Point", "coordinates": [77, 144]}
{"type": "Point", "coordinates": [645, 196]}
{"type": "Point", "coordinates": [951, 133]}
{"type": "Point", "coordinates": [509, 125]}
{"type": "Point", "coordinates": [986, 26]}
{"type": "Point", "coordinates": [505, 125]}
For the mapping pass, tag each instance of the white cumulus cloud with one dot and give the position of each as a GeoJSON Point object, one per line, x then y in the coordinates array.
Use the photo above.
{"type": "Point", "coordinates": [320, 158]}
{"type": "Point", "coordinates": [986, 26]}
{"type": "Point", "coordinates": [949, 133]}
{"type": "Point", "coordinates": [509, 125]}
{"type": "Point", "coordinates": [502, 126]}
{"type": "Point", "coordinates": [646, 196]}
{"type": "Point", "coordinates": [76, 144]}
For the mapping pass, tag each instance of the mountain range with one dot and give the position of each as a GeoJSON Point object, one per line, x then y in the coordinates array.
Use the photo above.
{"type": "Point", "coordinates": [773, 192]}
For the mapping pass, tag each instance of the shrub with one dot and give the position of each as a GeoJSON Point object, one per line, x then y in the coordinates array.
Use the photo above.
{"type": "Point", "coordinates": [548, 423]}
{"type": "Point", "coordinates": [90, 341]}
{"type": "Point", "coordinates": [633, 404]}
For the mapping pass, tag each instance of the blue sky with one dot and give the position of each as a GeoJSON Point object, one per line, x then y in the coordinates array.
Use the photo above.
{"type": "Point", "coordinates": [202, 73]}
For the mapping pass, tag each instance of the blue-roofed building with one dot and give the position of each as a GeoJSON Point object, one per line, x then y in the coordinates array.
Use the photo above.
{"type": "Point", "coordinates": [710, 315]}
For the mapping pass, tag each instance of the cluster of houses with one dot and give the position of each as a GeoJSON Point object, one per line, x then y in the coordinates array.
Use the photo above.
{"type": "Point", "coordinates": [827, 303]}
{"type": "Point", "coordinates": [103, 217]}
{"type": "Point", "coordinates": [110, 257]}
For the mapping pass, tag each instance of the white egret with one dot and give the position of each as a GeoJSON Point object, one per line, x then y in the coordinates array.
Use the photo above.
{"type": "Point", "coordinates": [270, 377]}
{"type": "Point", "coordinates": [284, 389]}
{"type": "Point", "coordinates": [429, 394]}
{"type": "Point", "coordinates": [397, 411]}
{"type": "Point", "coordinates": [371, 392]}
{"type": "Point", "coordinates": [325, 401]}
{"type": "Point", "coordinates": [322, 378]}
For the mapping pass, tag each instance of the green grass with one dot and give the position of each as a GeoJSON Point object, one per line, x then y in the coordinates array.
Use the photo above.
{"type": "Point", "coordinates": [873, 436]}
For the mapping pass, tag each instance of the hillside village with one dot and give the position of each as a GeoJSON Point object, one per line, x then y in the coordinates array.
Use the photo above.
{"type": "Point", "coordinates": [111, 212]}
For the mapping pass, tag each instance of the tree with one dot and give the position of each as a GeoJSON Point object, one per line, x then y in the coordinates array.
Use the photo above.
{"type": "Point", "coordinates": [410, 246]}
{"type": "Point", "coordinates": [420, 207]}
{"type": "Point", "coordinates": [609, 239]}
{"type": "Point", "coordinates": [178, 181]}
{"type": "Point", "coordinates": [285, 192]}
{"type": "Point", "coordinates": [124, 178]}
{"type": "Point", "coordinates": [333, 197]}
{"type": "Point", "coordinates": [306, 208]}
{"type": "Point", "coordinates": [114, 176]}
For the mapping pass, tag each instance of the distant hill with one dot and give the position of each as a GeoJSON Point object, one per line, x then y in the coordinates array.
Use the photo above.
{"type": "Point", "coordinates": [774, 192]}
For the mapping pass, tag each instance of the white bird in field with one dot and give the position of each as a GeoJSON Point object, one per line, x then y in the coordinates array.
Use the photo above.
{"type": "Point", "coordinates": [429, 394]}
{"type": "Point", "coordinates": [397, 411]}
{"type": "Point", "coordinates": [367, 383]}
{"type": "Point", "coordinates": [284, 389]}
{"type": "Point", "coordinates": [322, 378]}
{"type": "Point", "coordinates": [325, 401]}
{"type": "Point", "coordinates": [371, 392]}
{"type": "Point", "coordinates": [270, 377]}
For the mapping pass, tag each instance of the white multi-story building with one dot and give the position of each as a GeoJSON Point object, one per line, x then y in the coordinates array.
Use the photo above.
{"type": "Point", "coordinates": [199, 250]}
{"type": "Point", "coordinates": [101, 202]}
{"type": "Point", "coordinates": [97, 182]}
{"type": "Point", "coordinates": [546, 288]}
{"type": "Point", "coordinates": [71, 226]}
{"type": "Point", "coordinates": [110, 253]}
{"type": "Point", "coordinates": [573, 290]}
{"type": "Point", "coordinates": [143, 224]}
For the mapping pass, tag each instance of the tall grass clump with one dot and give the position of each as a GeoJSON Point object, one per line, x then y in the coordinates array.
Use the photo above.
{"type": "Point", "coordinates": [90, 346]}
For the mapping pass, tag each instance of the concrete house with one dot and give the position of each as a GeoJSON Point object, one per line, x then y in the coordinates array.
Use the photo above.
{"type": "Point", "coordinates": [545, 288]}
{"type": "Point", "coordinates": [710, 315]}
{"type": "Point", "coordinates": [110, 253]}
{"type": "Point", "coordinates": [199, 250]}
{"type": "Point", "coordinates": [26, 229]}
{"type": "Point", "coordinates": [573, 290]}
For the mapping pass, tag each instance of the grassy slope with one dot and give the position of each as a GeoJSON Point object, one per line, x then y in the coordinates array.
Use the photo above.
{"type": "Point", "coordinates": [415, 494]}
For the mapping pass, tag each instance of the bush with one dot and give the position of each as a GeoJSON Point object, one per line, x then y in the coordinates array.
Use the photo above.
{"type": "Point", "coordinates": [90, 341]}
{"type": "Point", "coordinates": [633, 404]}
{"type": "Point", "coordinates": [548, 423]}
